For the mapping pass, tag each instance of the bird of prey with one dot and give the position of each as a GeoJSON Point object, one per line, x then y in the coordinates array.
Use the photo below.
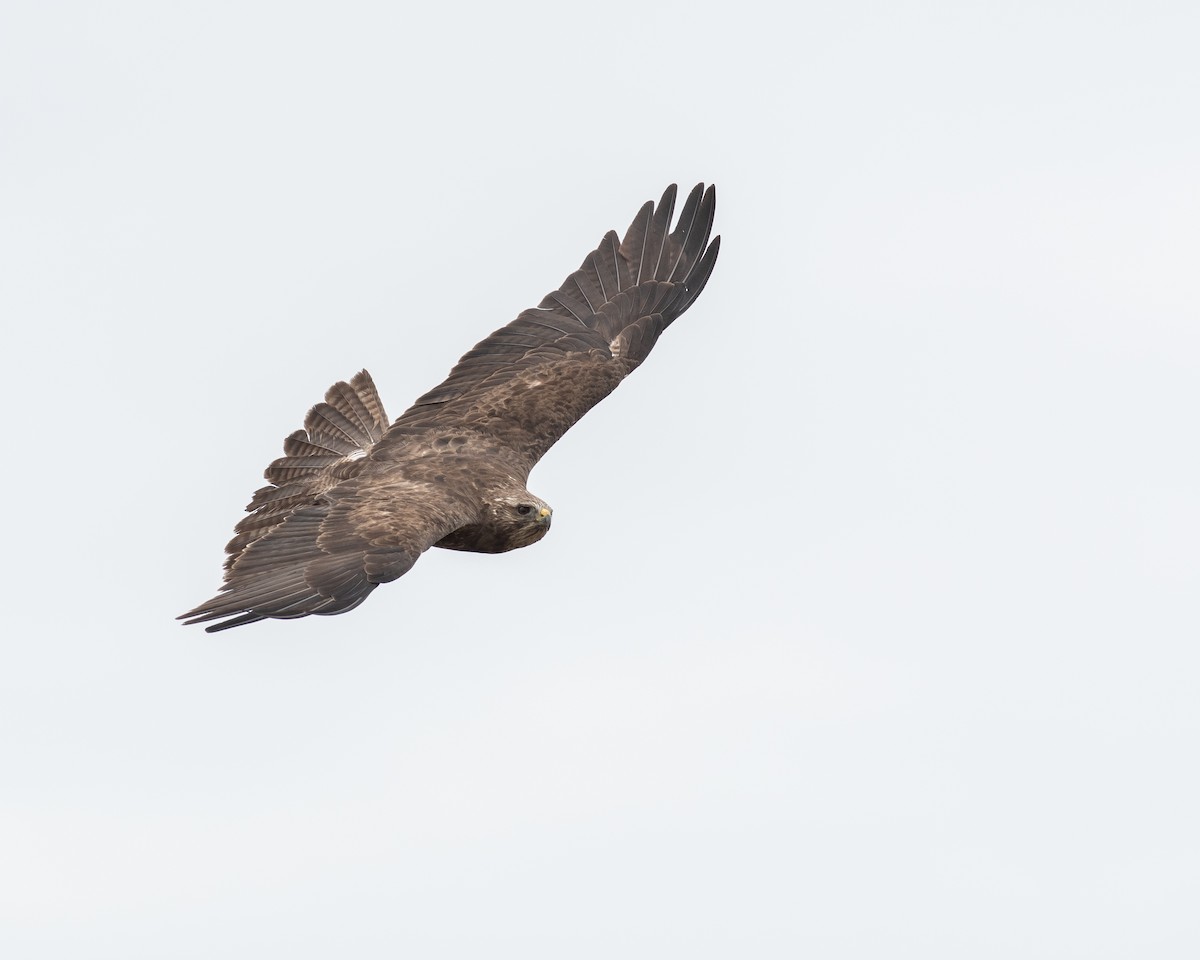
{"type": "Point", "coordinates": [354, 502]}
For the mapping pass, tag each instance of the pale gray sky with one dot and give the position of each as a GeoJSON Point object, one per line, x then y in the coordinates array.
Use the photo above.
{"type": "Point", "coordinates": [868, 623]}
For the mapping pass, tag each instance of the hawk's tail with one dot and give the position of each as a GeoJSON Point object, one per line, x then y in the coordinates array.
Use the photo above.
{"type": "Point", "coordinates": [347, 424]}
{"type": "Point", "coordinates": [342, 428]}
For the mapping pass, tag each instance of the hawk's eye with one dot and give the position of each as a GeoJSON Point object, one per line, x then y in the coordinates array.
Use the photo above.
{"type": "Point", "coordinates": [524, 509]}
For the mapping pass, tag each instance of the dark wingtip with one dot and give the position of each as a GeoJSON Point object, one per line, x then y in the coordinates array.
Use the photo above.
{"type": "Point", "coordinates": [235, 622]}
{"type": "Point", "coordinates": [698, 254]}
{"type": "Point", "coordinates": [699, 276]}
{"type": "Point", "coordinates": [205, 612]}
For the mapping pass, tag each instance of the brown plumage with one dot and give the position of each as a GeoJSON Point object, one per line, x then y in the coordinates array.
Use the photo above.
{"type": "Point", "coordinates": [353, 502]}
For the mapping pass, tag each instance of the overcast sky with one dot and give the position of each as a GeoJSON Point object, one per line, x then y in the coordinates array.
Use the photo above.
{"type": "Point", "coordinates": [868, 623]}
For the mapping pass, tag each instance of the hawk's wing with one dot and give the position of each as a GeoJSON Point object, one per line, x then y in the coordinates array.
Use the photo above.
{"type": "Point", "coordinates": [326, 532]}
{"type": "Point", "coordinates": [325, 556]}
{"type": "Point", "coordinates": [525, 385]}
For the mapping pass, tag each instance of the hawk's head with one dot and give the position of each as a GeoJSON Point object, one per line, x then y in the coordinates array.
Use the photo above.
{"type": "Point", "coordinates": [510, 519]}
{"type": "Point", "coordinates": [517, 519]}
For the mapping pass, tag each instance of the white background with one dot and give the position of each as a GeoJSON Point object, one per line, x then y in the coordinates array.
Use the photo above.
{"type": "Point", "coordinates": [868, 623]}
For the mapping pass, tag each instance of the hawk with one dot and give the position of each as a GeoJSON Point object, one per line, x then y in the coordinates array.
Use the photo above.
{"type": "Point", "coordinates": [354, 502]}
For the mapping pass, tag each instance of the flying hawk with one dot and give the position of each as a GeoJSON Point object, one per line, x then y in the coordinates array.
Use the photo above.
{"type": "Point", "coordinates": [354, 502]}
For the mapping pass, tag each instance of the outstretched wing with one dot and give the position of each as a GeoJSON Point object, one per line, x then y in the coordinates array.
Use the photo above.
{"type": "Point", "coordinates": [525, 385]}
{"type": "Point", "coordinates": [322, 536]}
{"type": "Point", "coordinates": [327, 555]}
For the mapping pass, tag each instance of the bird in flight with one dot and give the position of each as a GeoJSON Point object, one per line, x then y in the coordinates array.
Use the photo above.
{"type": "Point", "coordinates": [354, 502]}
